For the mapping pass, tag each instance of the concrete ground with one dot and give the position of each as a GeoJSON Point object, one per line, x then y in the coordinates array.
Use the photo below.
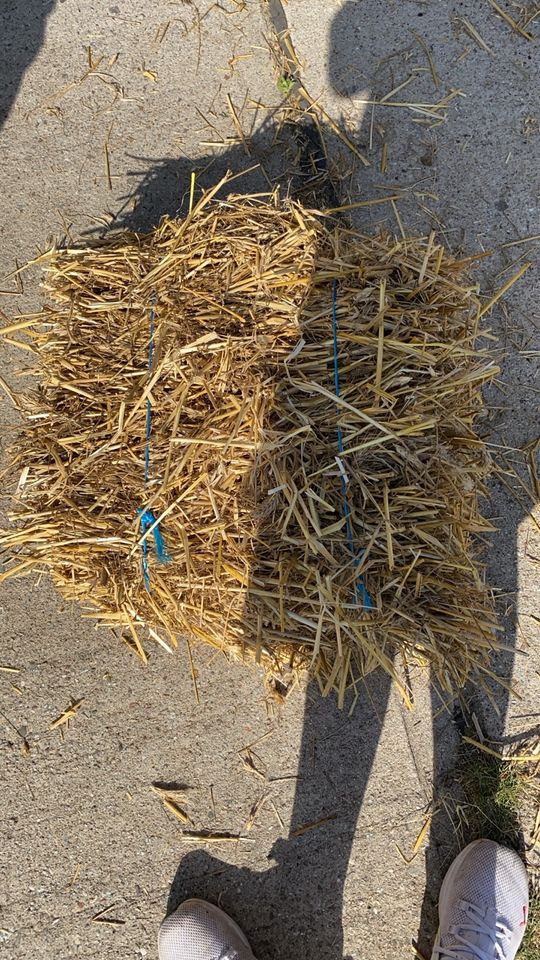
{"type": "Point", "coordinates": [82, 139]}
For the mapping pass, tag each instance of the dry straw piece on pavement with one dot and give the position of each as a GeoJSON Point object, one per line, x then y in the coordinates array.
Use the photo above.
{"type": "Point", "coordinates": [255, 429]}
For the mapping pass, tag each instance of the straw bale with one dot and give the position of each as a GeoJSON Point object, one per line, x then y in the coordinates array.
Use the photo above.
{"type": "Point", "coordinates": [303, 529]}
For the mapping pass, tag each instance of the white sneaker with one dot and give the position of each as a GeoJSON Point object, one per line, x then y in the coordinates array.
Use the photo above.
{"type": "Point", "coordinates": [483, 905]}
{"type": "Point", "coordinates": [198, 930]}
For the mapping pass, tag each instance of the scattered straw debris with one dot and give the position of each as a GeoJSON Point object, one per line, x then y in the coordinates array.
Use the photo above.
{"type": "Point", "coordinates": [277, 815]}
{"type": "Point", "coordinates": [516, 243]}
{"type": "Point", "coordinates": [427, 50]}
{"type": "Point", "coordinates": [514, 24]}
{"type": "Point", "coordinates": [208, 836]}
{"type": "Point", "coordinates": [315, 109]}
{"type": "Point", "coordinates": [107, 154]}
{"type": "Point", "coordinates": [67, 714]}
{"type": "Point", "coordinates": [473, 33]}
{"type": "Point", "coordinates": [149, 74]}
{"type": "Point", "coordinates": [255, 810]}
{"type": "Point", "coordinates": [504, 289]}
{"type": "Point", "coordinates": [168, 797]}
{"type": "Point", "coordinates": [251, 766]}
{"type": "Point", "coordinates": [173, 807]}
{"type": "Point", "coordinates": [102, 917]}
{"type": "Point", "coordinates": [535, 832]}
{"type": "Point", "coordinates": [533, 757]}
{"type": "Point", "coordinates": [429, 114]}
{"type": "Point", "coordinates": [256, 429]}
{"type": "Point", "coordinates": [306, 827]}
{"type": "Point", "coordinates": [238, 126]}
{"type": "Point", "coordinates": [74, 877]}
{"type": "Point", "coordinates": [418, 842]}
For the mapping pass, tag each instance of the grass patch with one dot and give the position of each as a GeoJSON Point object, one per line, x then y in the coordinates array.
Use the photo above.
{"type": "Point", "coordinates": [494, 793]}
{"type": "Point", "coordinates": [285, 84]}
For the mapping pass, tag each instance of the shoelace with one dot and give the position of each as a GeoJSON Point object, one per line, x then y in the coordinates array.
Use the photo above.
{"type": "Point", "coordinates": [465, 948]}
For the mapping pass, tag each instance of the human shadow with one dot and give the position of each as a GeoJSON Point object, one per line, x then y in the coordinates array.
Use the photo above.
{"type": "Point", "coordinates": [507, 424]}
{"type": "Point", "coordinates": [337, 751]}
{"type": "Point", "coordinates": [22, 30]}
{"type": "Point", "coordinates": [295, 907]}
{"type": "Point", "coordinates": [283, 155]}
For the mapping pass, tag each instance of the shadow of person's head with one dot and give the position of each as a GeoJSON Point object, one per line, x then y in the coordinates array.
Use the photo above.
{"type": "Point", "coordinates": [22, 32]}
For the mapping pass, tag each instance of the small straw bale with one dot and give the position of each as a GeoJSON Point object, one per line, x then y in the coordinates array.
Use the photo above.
{"type": "Point", "coordinates": [295, 405]}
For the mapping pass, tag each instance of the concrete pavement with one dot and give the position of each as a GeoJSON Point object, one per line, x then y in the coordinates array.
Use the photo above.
{"type": "Point", "coordinates": [82, 830]}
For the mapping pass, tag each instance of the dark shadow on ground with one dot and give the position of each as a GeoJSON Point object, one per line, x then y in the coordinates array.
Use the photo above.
{"type": "Point", "coordinates": [22, 30]}
{"type": "Point", "coordinates": [294, 909]}
{"type": "Point", "coordinates": [280, 154]}
{"type": "Point", "coordinates": [508, 420]}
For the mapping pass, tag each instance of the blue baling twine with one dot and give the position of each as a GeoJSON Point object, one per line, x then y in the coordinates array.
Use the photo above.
{"type": "Point", "coordinates": [361, 593]}
{"type": "Point", "coordinates": [146, 517]}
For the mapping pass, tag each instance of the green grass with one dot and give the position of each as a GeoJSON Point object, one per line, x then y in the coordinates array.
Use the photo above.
{"type": "Point", "coordinates": [285, 84]}
{"type": "Point", "coordinates": [493, 793]}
